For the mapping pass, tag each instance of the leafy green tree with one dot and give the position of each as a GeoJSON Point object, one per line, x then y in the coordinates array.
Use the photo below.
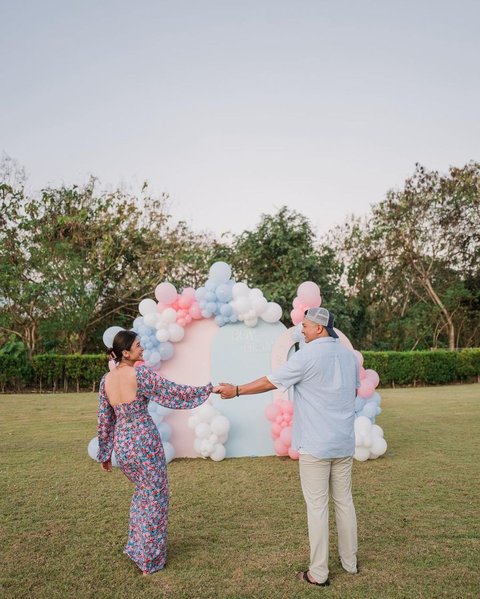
{"type": "Point", "coordinates": [73, 261]}
{"type": "Point", "coordinates": [420, 248]}
{"type": "Point", "coordinates": [281, 253]}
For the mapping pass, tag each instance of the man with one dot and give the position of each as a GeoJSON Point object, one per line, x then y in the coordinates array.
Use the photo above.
{"type": "Point", "coordinates": [325, 376]}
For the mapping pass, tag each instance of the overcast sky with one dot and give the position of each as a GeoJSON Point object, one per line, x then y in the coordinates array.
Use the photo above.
{"type": "Point", "coordinates": [237, 107]}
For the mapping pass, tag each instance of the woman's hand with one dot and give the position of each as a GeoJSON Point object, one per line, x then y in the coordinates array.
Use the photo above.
{"type": "Point", "coordinates": [106, 466]}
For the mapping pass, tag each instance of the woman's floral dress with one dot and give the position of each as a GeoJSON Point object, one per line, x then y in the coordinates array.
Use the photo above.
{"type": "Point", "coordinates": [129, 429]}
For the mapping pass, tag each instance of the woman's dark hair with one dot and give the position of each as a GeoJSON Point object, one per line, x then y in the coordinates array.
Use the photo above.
{"type": "Point", "coordinates": [122, 341]}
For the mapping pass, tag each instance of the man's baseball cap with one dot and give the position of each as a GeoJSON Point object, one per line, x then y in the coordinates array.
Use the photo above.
{"type": "Point", "coordinates": [324, 317]}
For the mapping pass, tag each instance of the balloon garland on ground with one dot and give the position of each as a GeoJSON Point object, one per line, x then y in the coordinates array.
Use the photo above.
{"type": "Point", "coordinates": [162, 323]}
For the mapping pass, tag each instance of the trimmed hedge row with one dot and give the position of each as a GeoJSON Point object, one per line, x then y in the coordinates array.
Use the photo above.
{"type": "Point", "coordinates": [83, 372]}
{"type": "Point", "coordinates": [424, 367]}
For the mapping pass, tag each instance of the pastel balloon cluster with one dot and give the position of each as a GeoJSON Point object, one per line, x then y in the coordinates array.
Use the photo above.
{"type": "Point", "coordinates": [92, 450]}
{"type": "Point", "coordinates": [157, 348]}
{"type": "Point", "coordinates": [158, 414]}
{"type": "Point", "coordinates": [211, 432]}
{"type": "Point", "coordinates": [215, 297]}
{"type": "Point", "coordinates": [367, 402]}
{"type": "Point", "coordinates": [184, 304]}
{"type": "Point", "coordinates": [280, 414]}
{"type": "Point", "coordinates": [369, 441]}
{"type": "Point", "coordinates": [308, 296]}
{"type": "Point", "coordinates": [250, 305]}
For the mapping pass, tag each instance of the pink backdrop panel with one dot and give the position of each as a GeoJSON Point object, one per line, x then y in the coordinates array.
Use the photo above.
{"type": "Point", "coordinates": [191, 365]}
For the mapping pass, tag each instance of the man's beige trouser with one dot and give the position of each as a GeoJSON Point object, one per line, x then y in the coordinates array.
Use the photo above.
{"type": "Point", "coordinates": [317, 477]}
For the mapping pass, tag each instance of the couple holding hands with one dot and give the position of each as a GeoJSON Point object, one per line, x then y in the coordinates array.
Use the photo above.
{"type": "Point", "coordinates": [324, 376]}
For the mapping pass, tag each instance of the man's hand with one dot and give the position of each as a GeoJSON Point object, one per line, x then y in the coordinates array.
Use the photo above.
{"type": "Point", "coordinates": [106, 466]}
{"type": "Point", "coordinates": [226, 390]}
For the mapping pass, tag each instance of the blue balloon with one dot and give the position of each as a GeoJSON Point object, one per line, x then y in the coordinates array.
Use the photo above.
{"type": "Point", "coordinates": [212, 307]}
{"type": "Point", "coordinates": [224, 293]}
{"type": "Point", "coordinates": [226, 310]}
{"type": "Point", "coordinates": [211, 297]}
{"type": "Point", "coordinates": [220, 320]}
{"type": "Point", "coordinates": [166, 350]}
{"type": "Point", "coordinates": [165, 431]}
{"type": "Point", "coordinates": [206, 313]}
{"type": "Point", "coordinates": [210, 285]}
{"type": "Point", "coordinates": [370, 410]}
{"type": "Point", "coordinates": [200, 293]}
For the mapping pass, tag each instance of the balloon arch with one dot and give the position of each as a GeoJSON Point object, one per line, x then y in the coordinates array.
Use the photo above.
{"type": "Point", "coordinates": [188, 335]}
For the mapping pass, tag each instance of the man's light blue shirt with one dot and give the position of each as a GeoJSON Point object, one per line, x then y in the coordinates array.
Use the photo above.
{"type": "Point", "coordinates": [325, 376]}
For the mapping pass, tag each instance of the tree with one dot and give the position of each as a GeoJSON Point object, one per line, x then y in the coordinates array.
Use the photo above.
{"type": "Point", "coordinates": [421, 246]}
{"type": "Point", "coordinates": [282, 252]}
{"type": "Point", "coordinates": [73, 261]}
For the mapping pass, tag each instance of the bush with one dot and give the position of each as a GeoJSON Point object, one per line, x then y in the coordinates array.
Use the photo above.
{"type": "Point", "coordinates": [77, 372]}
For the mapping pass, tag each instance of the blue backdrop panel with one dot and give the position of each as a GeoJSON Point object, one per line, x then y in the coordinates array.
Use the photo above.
{"type": "Point", "coordinates": [241, 354]}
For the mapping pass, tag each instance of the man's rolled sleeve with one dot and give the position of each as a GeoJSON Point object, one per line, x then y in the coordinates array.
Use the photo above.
{"type": "Point", "coordinates": [289, 373]}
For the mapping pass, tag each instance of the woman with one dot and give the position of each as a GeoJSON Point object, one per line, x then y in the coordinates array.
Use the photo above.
{"type": "Point", "coordinates": [125, 425]}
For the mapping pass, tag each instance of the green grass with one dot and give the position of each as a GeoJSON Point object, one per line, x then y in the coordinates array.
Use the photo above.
{"type": "Point", "coordinates": [238, 527]}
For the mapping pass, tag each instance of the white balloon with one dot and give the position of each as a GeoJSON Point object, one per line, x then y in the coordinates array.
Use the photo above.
{"type": "Point", "coordinates": [259, 305]}
{"type": "Point", "coordinates": [220, 425]}
{"type": "Point", "coordinates": [358, 440]}
{"type": "Point", "coordinates": [207, 413]}
{"type": "Point", "coordinates": [379, 447]}
{"type": "Point", "coordinates": [109, 335]}
{"type": "Point", "coordinates": [169, 315]}
{"type": "Point", "coordinates": [222, 438]}
{"type": "Point", "coordinates": [272, 313]}
{"type": "Point", "coordinates": [362, 425]}
{"type": "Point", "coordinates": [242, 305]}
{"type": "Point", "coordinates": [202, 430]}
{"type": "Point", "coordinates": [147, 306]}
{"type": "Point", "coordinates": [218, 453]}
{"type": "Point", "coordinates": [239, 290]}
{"type": "Point", "coordinates": [377, 431]}
{"type": "Point", "coordinates": [361, 454]}
{"type": "Point", "coordinates": [367, 440]}
{"type": "Point", "coordinates": [207, 446]}
{"type": "Point", "coordinates": [197, 445]}
{"type": "Point", "coordinates": [114, 460]}
{"type": "Point", "coordinates": [92, 448]}
{"type": "Point", "coordinates": [251, 322]}
{"type": "Point", "coordinates": [175, 333]}
{"type": "Point", "coordinates": [165, 431]}
{"type": "Point", "coordinates": [162, 335]}
{"type": "Point", "coordinates": [255, 293]}
{"type": "Point", "coordinates": [213, 439]}
{"type": "Point", "coordinates": [151, 319]}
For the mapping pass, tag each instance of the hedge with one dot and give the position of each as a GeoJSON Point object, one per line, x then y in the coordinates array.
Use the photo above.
{"type": "Point", "coordinates": [83, 372]}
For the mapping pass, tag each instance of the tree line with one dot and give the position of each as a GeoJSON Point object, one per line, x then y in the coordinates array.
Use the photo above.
{"type": "Point", "coordinates": [75, 260]}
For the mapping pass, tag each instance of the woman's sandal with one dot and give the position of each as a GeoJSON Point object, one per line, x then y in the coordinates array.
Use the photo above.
{"type": "Point", "coordinates": [304, 576]}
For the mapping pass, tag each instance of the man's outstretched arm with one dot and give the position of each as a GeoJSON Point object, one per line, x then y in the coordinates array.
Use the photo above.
{"type": "Point", "coordinates": [227, 391]}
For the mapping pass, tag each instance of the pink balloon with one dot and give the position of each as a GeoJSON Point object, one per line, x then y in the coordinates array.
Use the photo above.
{"type": "Point", "coordinates": [344, 340]}
{"type": "Point", "coordinates": [188, 319]}
{"type": "Point", "coordinates": [296, 315]}
{"type": "Point", "coordinates": [373, 377]}
{"type": "Point", "coordinates": [161, 307]}
{"type": "Point", "coordinates": [195, 311]}
{"type": "Point", "coordinates": [111, 365]}
{"type": "Point", "coordinates": [309, 294]}
{"type": "Point", "coordinates": [181, 322]}
{"type": "Point", "coordinates": [297, 303]}
{"type": "Point", "coordinates": [276, 429]}
{"type": "Point", "coordinates": [286, 436]}
{"type": "Point", "coordinates": [293, 453]}
{"type": "Point", "coordinates": [288, 407]}
{"type": "Point", "coordinates": [278, 418]}
{"type": "Point", "coordinates": [271, 412]}
{"type": "Point", "coordinates": [359, 356]}
{"type": "Point", "coordinates": [366, 389]}
{"type": "Point", "coordinates": [280, 448]}
{"type": "Point", "coordinates": [362, 373]}
{"type": "Point", "coordinates": [175, 305]}
{"type": "Point", "coordinates": [185, 302]}
{"type": "Point", "coordinates": [166, 293]}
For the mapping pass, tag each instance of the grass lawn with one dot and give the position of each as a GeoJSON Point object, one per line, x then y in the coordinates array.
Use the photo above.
{"type": "Point", "coordinates": [238, 527]}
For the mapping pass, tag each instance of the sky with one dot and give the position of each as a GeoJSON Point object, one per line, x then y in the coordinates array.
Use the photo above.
{"type": "Point", "coordinates": [238, 107]}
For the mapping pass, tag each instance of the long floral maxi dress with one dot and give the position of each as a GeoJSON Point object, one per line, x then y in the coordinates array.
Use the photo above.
{"type": "Point", "coordinates": [129, 429]}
